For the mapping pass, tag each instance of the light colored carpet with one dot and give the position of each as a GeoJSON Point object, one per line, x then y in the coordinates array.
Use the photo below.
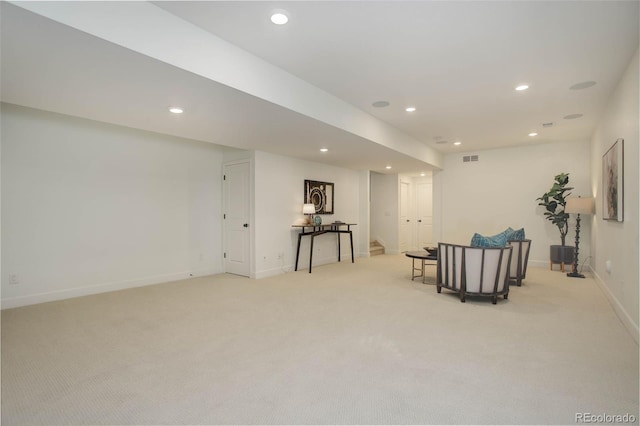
{"type": "Point", "coordinates": [349, 344]}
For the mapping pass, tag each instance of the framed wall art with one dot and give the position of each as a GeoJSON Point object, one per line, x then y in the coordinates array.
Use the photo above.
{"type": "Point", "coordinates": [320, 194]}
{"type": "Point", "coordinates": [613, 182]}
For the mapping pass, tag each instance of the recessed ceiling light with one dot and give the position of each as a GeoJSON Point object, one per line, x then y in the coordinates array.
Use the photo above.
{"type": "Point", "coordinates": [324, 149]}
{"type": "Point", "coordinates": [176, 110]}
{"type": "Point", "coordinates": [583, 85]}
{"type": "Point", "coordinates": [422, 174]}
{"type": "Point", "coordinates": [279, 18]}
{"type": "Point", "coordinates": [380, 104]}
{"type": "Point", "coordinates": [410, 109]}
{"type": "Point", "coordinates": [456, 143]}
{"type": "Point", "coordinates": [522, 87]}
{"type": "Point", "coordinates": [388, 167]}
{"type": "Point", "coordinates": [572, 116]}
{"type": "Point", "coordinates": [533, 134]}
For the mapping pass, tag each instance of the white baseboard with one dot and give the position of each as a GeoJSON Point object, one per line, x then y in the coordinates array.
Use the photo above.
{"type": "Point", "coordinates": [538, 263]}
{"type": "Point", "coordinates": [33, 299]}
{"type": "Point", "coordinates": [302, 266]}
{"type": "Point", "coordinates": [622, 314]}
{"type": "Point", "coordinates": [271, 272]}
{"type": "Point", "coordinates": [203, 272]}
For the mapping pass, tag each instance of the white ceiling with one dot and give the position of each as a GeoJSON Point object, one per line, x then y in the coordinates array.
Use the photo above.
{"type": "Point", "coordinates": [456, 62]}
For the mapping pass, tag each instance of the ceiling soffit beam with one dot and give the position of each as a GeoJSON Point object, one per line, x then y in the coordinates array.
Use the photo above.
{"type": "Point", "coordinates": [154, 32]}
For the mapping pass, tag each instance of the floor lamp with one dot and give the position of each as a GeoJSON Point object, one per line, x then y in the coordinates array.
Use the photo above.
{"type": "Point", "coordinates": [578, 206]}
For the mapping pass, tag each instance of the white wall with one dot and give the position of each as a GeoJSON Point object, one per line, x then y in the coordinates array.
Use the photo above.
{"type": "Point", "coordinates": [279, 195]}
{"type": "Point", "coordinates": [89, 207]}
{"type": "Point", "coordinates": [364, 227]}
{"type": "Point", "coordinates": [385, 201]}
{"type": "Point", "coordinates": [500, 190]}
{"type": "Point", "coordinates": [618, 241]}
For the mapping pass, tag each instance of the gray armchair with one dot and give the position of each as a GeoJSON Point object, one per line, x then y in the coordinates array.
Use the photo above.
{"type": "Point", "coordinates": [474, 271]}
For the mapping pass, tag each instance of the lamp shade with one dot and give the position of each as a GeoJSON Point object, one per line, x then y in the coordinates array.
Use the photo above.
{"type": "Point", "coordinates": [308, 209]}
{"type": "Point", "coordinates": [580, 205]}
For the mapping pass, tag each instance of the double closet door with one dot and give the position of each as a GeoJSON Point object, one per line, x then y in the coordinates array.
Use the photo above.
{"type": "Point", "coordinates": [416, 215]}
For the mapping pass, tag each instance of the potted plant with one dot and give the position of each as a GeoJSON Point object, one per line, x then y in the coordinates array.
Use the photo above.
{"type": "Point", "coordinates": [554, 202]}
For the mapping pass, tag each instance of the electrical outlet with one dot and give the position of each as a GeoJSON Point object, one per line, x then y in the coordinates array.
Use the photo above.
{"type": "Point", "coordinates": [14, 279]}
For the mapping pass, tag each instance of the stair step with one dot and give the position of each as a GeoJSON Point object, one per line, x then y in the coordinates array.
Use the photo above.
{"type": "Point", "coordinates": [375, 248]}
{"type": "Point", "coordinates": [376, 251]}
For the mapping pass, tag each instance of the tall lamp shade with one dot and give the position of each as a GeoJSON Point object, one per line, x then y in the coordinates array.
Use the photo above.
{"type": "Point", "coordinates": [578, 206]}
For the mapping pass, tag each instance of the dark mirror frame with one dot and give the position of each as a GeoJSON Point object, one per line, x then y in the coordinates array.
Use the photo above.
{"type": "Point", "coordinates": [320, 194]}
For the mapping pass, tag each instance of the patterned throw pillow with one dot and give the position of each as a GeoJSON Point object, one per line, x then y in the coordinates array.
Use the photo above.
{"type": "Point", "coordinates": [518, 234]}
{"type": "Point", "coordinates": [498, 240]}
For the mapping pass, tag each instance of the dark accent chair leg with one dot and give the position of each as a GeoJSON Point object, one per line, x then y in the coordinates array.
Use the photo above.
{"type": "Point", "coordinates": [494, 299]}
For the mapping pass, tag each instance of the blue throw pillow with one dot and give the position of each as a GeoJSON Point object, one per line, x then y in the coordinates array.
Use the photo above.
{"type": "Point", "coordinates": [518, 234]}
{"type": "Point", "coordinates": [498, 240]}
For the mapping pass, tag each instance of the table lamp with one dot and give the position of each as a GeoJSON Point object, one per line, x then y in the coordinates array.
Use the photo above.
{"type": "Point", "coordinates": [578, 206]}
{"type": "Point", "coordinates": [309, 209]}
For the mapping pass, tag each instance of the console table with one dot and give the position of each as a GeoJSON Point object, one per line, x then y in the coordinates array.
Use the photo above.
{"type": "Point", "coordinates": [315, 230]}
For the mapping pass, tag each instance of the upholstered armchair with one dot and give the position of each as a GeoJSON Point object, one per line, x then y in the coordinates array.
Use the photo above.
{"type": "Point", "coordinates": [519, 260]}
{"type": "Point", "coordinates": [474, 271]}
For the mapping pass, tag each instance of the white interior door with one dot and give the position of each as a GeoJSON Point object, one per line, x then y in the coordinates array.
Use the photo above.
{"type": "Point", "coordinates": [236, 193]}
{"type": "Point", "coordinates": [405, 219]}
{"type": "Point", "coordinates": [424, 204]}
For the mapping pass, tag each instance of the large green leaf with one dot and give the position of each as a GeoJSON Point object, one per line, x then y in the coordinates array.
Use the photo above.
{"type": "Point", "coordinates": [554, 201]}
